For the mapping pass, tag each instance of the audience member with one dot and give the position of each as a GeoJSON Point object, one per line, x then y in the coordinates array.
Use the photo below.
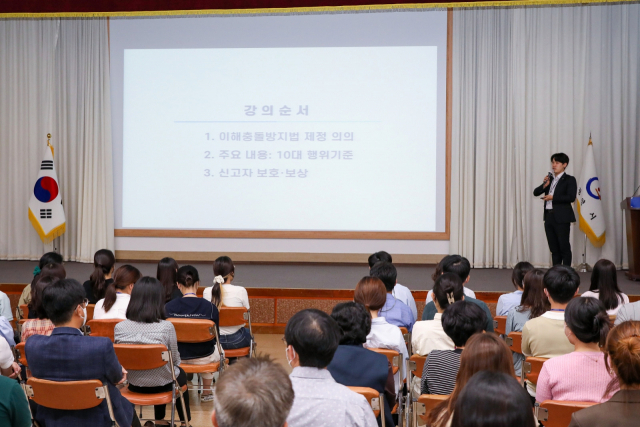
{"type": "Point", "coordinates": [224, 294]}
{"type": "Point", "coordinates": [453, 264]}
{"type": "Point", "coordinates": [400, 292]}
{"type": "Point", "coordinates": [394, 311]}
{"type": "Point", "coordinates": [39, 324]}
{"type": "Point", "coordinates": [146, 324]}
{"type": "Point", "coordinates": [53, 270]}
{"type": "Point", "coordinates": [628, 312]}
{"type": "Point", "coordinates": [428, 334]}
{"type": "Point", "coordinates": [253, 392]}
{"type": "Point", "coordinates": [507, 301]}
{"type": "Point", "coordinates": [483, 352]}
{"type": "Point", "coordinates": [116, 298]}
{"type": "Point", "coordinates": [312, 338]}
{"type": "Point", "coordinates": [604, 286]}
{"type": "Point", "coordinates": [190, 306]}
{"type": "Point", "coordinates": [371, 293]}
{"type": "Point", "coordinates": [167, 274]}
{"type": "Point", "coordinates": [8, 367]}
{"type": "Point", "coordinates": [460, 321]}
{"type": "Point", "coordinates": [47, 258]}
{"type": "Point", "coordinates": [104, 263]}
{"type": "Point", "coordinates": [493, 399]}
{"type": "Point", "coordinates": [14, 408]}
{"type": "Point", "coordinates": [67, 355]}
{"type": "Point", "coordinates": [534, 304]}
{"type": "Point", "coordinates": [544, 336]}
{"type": "Point", "coordinates": [354, 365]}
{"type": "Point", "coordinates": [460, 266]}
{"type": "Point", "coordinates": [622, 356]}
{"type": "Point", "coordinates": [6, 331]}
{"type": "Point", "coordinates": [580, 375]}
{"type": "Point", "coordinates": [5, 307]}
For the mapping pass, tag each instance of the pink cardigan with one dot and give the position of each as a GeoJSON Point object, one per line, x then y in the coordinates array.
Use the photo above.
{"type": "Point", "coordinates": [581, 377]}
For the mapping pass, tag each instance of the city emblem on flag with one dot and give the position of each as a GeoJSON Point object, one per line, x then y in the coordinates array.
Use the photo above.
{"type": "Point", "coordinates": [589, 201]}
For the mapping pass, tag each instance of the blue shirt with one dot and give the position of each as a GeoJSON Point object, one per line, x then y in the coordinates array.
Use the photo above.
{"type": "Point", "coordinates": [507, 301]}
{"type": "Point", "coordinates": [397, 313]}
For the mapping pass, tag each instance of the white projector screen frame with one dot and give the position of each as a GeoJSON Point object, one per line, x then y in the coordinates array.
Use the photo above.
{"type": "Point", "coordinates": [117, 68]}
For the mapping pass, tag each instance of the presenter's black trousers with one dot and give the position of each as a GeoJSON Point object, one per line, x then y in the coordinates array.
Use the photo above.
{"type": "Point", "coordinates": [558, 239]}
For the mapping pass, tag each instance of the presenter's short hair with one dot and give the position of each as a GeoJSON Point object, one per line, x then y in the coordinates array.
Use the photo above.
{"type": "Point", "coordinates": [561, 282]}
{"type": "Point", "coordinates": [253, 392]}
{"type": "Point", "coordinates": [560, 157]}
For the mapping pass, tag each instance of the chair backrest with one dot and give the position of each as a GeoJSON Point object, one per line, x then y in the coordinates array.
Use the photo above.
{"type": "Point", "coordinates": [66, 395]}
{"type": "Point", "coordinates": [20, 354]}
{"type": "Point", "coordinates": [373, 397]}
{"type": "Point", "coordinates": [531, 368]}
{"type": "Point", "coordinates": [612, 317]}
{"type": "Point", "coordinates": [500, 324]}
{"type": "Point", "coordinates": [392, 355]}
{"type": "Point", "coordinates": [425, 404]}
{"type": "Point", "coordinates": [555, 413]}
{"type": "Point", "coordinates": [24, 308]}
{"type": "Point", "coordinates": [514, 341]}
{"type": "Point", "coordinates": [90, 309]}
{"type": "Point", "coordinates": [103, 327]}
{"type": "Point", "coordinates": [233, 316]}
{"type": "Point", "coordinates": [416, 364]}
{"type": "Point", "coordinates": [142, 357]}
{"type": "Point", "coordinates": [21, 322]}
{"type": "Point", "coordinates": [194, 330]}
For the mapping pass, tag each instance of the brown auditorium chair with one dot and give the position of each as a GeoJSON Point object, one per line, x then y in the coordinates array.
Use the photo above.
{"type": "Point", "coordinates": [500, 325]}
{"type": "Point", "coordinates": [69, 395]}
{"type": "Point", "coordinates": [424, 405]}
{"type": "Point", "coordinates": [612, 317]}
{"type": "Point", "coordinates": [556, 413]}
{"type": "Point", "coordinates": [234, 316]}
{"type": "Point", "coordinates": [374, 398]}
{"type": "Point", "coordinates": [143, 357]}
{"type": "Point", "coordinates": [397, 364]}
{"type": "Point", "coordinates": [103, 327]}
{"type": "Point", "coordinates": [407, 337]}
{"type": "Point", "coordinates": [531, 368]}
{"type": "Point", "coordinates": [90, 309]}
{"type": "Point", "coordinates": [24, 310]}
{"type": "Point", "coordinates": [415, 367]}
{"type": "Point", "coordinates": [514, 341]}
{"type": "Point", "coordinates": [19, 354]}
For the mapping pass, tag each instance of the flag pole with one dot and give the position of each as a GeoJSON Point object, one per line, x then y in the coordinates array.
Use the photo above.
{"type": "Point", "coordinates": [584, 267]}
{"type": "Point", "coordinates": [53, 242]}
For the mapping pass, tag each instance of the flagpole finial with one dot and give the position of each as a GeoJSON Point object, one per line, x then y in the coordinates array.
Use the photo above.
{"type": "Point", "coordinates": [590, 143]}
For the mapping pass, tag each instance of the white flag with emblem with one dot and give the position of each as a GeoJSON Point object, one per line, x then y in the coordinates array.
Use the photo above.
{"type": "Point", "coordinates": [45, 206]}
{"type": "Point", "coordinates": [589, 201]}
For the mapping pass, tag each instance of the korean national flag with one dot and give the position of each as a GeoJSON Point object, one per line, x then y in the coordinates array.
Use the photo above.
{"type": "Point", "coordinates": [45, 206]}
{"type": "Point", "coordinates": [589, 201]}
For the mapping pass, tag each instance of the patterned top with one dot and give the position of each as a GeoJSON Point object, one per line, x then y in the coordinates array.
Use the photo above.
{"type": "Point", "coordinates": [321, 402]}
{"type": "Point", "coordinates": [440, 372]}
{"type": "Point", "coordinates": [162, 332]}
{"type": "Point", "coordinates": [36, 327]}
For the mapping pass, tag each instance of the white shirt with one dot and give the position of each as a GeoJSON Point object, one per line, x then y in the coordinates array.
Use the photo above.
{"type": "Point", "coordinates": [403, 294]}
{"type": "Point", "coordinates": [232, 296]}
{"type": "Point", "coordinates": [614, 312]}
{"type": "Point", "coordinates": [5, 306]}
{"type": "Point", "coordinates": [467, 292]}
{"type": "Point", "coordinates": [386, 335]}
{"type": "Point", "coordinates": [549, 203]}
{"type": "Point", "coordinates": [429, 335]}
{"type": "Point", "coordinates": [6, 356]}
{"type": "Point", "coordinates": [118, 309]}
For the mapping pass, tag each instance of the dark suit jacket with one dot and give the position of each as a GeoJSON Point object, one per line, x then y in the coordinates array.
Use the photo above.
{"type": "Point", "coordinates": [563, 197]}
{"type": "Point", "coordinates": [430, 311]}
{"type": "Point", "coordinates": [356, 366]}
{"type": "Point", "coordinates": [622, 410]}
{"type": "Point", "coordinates": [67, 355]}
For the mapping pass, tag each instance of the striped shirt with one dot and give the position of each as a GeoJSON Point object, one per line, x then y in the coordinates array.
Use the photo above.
{"type": "Point", "coordinates": [440, 371]}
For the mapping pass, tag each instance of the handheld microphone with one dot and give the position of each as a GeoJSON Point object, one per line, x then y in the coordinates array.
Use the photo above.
{"type": "Point", "coordinates": [550, 176]}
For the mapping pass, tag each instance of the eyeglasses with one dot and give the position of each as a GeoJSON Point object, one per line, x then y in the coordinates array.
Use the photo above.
{"type": "Point", "coordinates": [85, 302]}
{"type": "Point", "coordinates": [284, 341]}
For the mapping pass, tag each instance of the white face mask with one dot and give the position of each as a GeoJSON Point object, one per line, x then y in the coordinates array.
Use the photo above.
{"type": "Point", "coordinates": [84, 319]}
{"type": "Point", "coordinates": [286, 355]}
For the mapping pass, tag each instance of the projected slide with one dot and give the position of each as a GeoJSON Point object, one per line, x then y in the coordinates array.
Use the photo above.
{"type": "Point", "coordinates": [328, 138]}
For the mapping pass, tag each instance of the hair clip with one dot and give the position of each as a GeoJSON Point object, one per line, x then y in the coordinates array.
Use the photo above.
{"type": "Point", "coordinates": [450, 298]}
{"type": "Point", "coordinates": [37, 271]}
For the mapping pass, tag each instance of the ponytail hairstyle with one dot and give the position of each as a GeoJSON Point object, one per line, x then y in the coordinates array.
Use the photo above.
{"type": "Point", "coordinates": [188, 276]}
{"type": "Point", "coordinates": [533, 297]}
{"type": "Point", "coordinates": [604, 281]}
{"type": "Point", "coordinates": [224, 268]}
{"type": "Point", "coordinates": [103, 262]}
{"type": "Point", "coordinates": [167, 275]}
{"type": "Point", "coordinates": [371, 293]}
{"type": "Point", "coordinates": [588, 320]}
{"type": "Point", "coordinates": [448, 289]}
{"type": "Point", "coordinates": [622, 352]}
{"type": "Point", "coordinates": [52, 270]}
{"type": "Point", "coordinates": [519, 271]}
{"type": "Point", "coordinates": [123, 277]}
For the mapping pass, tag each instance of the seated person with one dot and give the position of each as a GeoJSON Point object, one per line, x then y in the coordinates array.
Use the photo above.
{"type": "Point", "coordinates": [483, 352]}
{"type": "Point", "coordinates": [371, 293]}
{"type": "Point", "coordinates": [224, 294]}
{"type": "Point", "coordinates": [581, 375]}
{"type": "Point", "coordinates": [53, 270]}
{"type": "Point", "coordinates": [6, 331]}
{"type": "Point", "coordinates": [167, 274]}
{"type": "Point", "coordinates": [5, 307]}
{"type": "Point", "coordinates": [604, 286]}
{"type": "Point", "coordinates": [67, 355]}
{"type": "Point", "coordinates": [544, 336]}
{"type": "Point", "coordinates": [534, 304]}
{"type": "Point", "coordinates": [146, 324]}
{"type": "Point", "coordinates": [628, 312]}
{"type": "Point", "coordinates": [96, 287]}
{"type": "Point", "coordinates": [312, 338]}
{"type": "Point", "coordinates": [8, 367]}
{"type": "Point", "coordinates": [40, 323]}
{"type": "Point", "coordinates": [507, 301]}
{"type": "Point", "coordinates": [460, 321]}
{"type": "Point", "coordinates": [118, 294]}
{"type": "Point", "coordinates": [400, 292]}
{"type": "Point", "coordinates": [460, 266]}
{"type": "Point", "coordinates": [48, 258]}
{"type": "Point", "coordinates": [190, 306]}
{"type": "Point", "coordinates": [622, 352]}
{"type": "Point", "coordinates": [14, 409]}
{"type": "Point", "coordinates": [252, 392]}
{"type": "Point", "coordinates": [394, 311]}
{"type": "Point", "coordinates": [354, 365]}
